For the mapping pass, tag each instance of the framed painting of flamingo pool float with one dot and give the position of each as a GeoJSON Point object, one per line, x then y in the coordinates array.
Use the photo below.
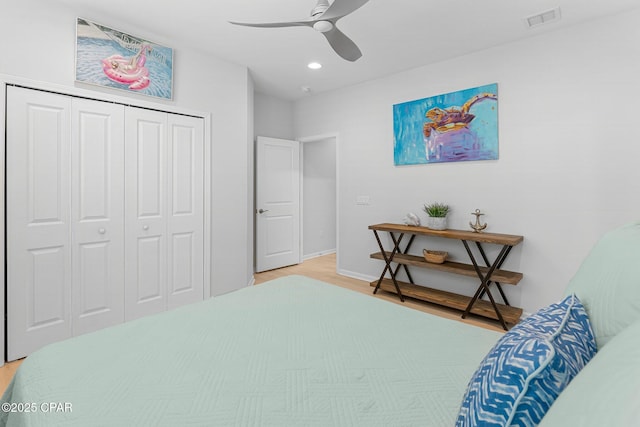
{"type": "Point", "coordinates": [452, 127]}
{"type": "Point", "coordinates": [112, 58]}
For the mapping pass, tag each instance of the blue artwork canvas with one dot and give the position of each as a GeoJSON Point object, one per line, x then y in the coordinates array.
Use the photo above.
{"type": "Point", "coordinates": [111, 58]}
{"type": "Point", "coordinates": [453, 127]}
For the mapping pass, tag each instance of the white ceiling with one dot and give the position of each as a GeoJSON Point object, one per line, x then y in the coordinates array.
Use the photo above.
{"type": "Point", "coordinates": [394, 35]}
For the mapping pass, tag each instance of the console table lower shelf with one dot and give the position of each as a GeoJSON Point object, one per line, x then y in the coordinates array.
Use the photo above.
{"type": "Point", "coordinates": [483, 308]}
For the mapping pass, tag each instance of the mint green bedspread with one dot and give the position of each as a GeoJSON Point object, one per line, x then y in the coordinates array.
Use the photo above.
{"type": "Point", "coordinates": [290, 352]}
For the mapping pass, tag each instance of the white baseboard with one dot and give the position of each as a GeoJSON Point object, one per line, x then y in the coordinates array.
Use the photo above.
{"type": "Point", "coordinates": [358, 276]}
{"type": "Point", "coordinates": [252, 281]}
{"type": "Point", "coordinates": [317, 254]}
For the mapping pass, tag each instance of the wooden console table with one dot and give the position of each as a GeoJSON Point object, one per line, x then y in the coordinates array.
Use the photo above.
{"type": "Point", "coordinates": [492, 273]}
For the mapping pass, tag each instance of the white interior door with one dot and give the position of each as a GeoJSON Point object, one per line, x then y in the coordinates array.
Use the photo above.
{"type": "Point", "coordinates": [185, 224]}
{"type": "Point", "coordinates": [97, 214]}
{"type": "Point", "coordinates": [145, 212]}
{"type": "Point", "coordinates": [277, 203]}
{"type": "Point", "coordinates": [38, 227]}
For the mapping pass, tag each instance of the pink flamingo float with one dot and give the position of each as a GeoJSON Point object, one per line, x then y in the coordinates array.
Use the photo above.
{"type": "Point", "coordinates": [129, 70]}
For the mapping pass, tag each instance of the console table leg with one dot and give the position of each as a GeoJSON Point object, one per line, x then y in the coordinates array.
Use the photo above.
{"type": "Point", "coordinates": [386, 266]}
{"type": "Point", "coordinates": [485, 280]}
{"type": "Point", "coordinates": [495, 307]}
{"type": "Point", "coordinates": [406, 249]}
{"type": "Point", "coordinates": [476, 296]}
{"type": "Point", "coordinates": [488, 264]}
{"type": "Point", "coordinates": [504, 297]}
{"type": "Point", "coordinates": [388, 260]}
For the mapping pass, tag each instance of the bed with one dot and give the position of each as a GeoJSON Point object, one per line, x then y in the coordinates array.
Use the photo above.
{"type": "Point", "coordinates": [299, 352]}
{"type": "Point", "coordinates": [290, 352]}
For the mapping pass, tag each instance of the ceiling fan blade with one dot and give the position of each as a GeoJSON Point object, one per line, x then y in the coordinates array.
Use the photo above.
{"type": "Point", "coordinates": [343, 45]}
{"type": "Point", "coordinates": [304, 23]}
{"type": "Point", "coordinates": [341, 8]}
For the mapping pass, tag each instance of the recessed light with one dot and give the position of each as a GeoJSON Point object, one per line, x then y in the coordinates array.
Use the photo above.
{"type": "Point", "coordinates": [314, 65]}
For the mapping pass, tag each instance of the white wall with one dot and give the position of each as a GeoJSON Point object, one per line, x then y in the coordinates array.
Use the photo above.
{"type": "Point", "coordinates": [273, 117]}
{"type": "Point", "coordinates": [38, 42]}
{"type": "Point", "coordinates": [319, 197]}
{"type": "Point", "coordinates": [569, 149]}
{"type": "Point", "coordinates": [250, 237]}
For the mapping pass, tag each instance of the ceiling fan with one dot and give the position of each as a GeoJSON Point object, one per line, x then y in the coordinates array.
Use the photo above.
{"type": "Point", "coordinates": [323, 19]}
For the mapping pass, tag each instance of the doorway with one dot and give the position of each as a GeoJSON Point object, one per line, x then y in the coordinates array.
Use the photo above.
{"type": "Point", "coordinates": [319, 196]}
{"type": "Point", "coordinates": [316, 232]}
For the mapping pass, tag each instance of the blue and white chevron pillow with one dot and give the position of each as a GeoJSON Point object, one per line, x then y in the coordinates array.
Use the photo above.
{"type": "Point", "coordinates": [530, 365]}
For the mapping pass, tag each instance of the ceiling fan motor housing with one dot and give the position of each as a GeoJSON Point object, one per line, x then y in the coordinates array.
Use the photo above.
{"type": "Point", "coordinates": [323, 26]}
{"type": "Point", "coordinates": [320, 8]}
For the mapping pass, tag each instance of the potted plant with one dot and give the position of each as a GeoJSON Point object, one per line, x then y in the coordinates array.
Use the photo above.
{"type": "Point", "coordinates": [436, 215]}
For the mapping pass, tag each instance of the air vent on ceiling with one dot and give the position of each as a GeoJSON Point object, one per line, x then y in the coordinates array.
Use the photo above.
{"type": "Point", "coordinates": [543, 18]}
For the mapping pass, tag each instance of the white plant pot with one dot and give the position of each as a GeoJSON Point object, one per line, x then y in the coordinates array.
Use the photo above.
{"type": "Point", "coordinates": [437, 223]}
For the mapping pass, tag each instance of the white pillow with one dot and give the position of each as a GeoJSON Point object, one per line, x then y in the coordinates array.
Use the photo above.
{"type": "Point", "coordinates": [608, 282]}
{"type": "Point", "coordinates": [607, 391]}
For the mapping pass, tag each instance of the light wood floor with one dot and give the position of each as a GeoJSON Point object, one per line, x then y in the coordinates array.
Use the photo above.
{"type": "Point", "coordinates": [7, 372]}
{"type": "Point", "coordinates": [324, 268]}
{"type": "Point", "coordinates": [320, 268]}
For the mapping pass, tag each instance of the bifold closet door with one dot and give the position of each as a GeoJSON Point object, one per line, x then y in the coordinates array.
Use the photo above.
{"type": "Point", "coordinates": [97, 215]}
{"type": "Point", "coordinates": [145, 213]}
{"type": "Point", "coordinates": [164, 251]}
{"type": "Point", "coordinates": [105, 215]}
{"type": "Point", "coordinates": [38, 227]}
{"type": "Point", "coordinates": [65, 193]}
{"type": "Point", "coordinates": [185, 195]}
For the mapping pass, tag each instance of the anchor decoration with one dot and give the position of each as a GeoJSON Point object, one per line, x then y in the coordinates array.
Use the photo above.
{"type": "Point", "coordinates": [477, 227]}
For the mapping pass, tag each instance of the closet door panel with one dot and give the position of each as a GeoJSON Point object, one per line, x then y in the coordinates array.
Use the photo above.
{"type": "Point", "coordinates": [185, 220]}
{"type": "Point", "coordinates": [145, 212]}
{"type": "Point", "coordinates": [38, 227]}
{"type": "Point", "coordinates": [97, 167]}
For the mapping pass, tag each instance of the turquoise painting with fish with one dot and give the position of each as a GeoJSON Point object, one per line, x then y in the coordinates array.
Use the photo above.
{"type": "Point", "coordinates": [452, 127]}
{"type": "Point", "coordinates": [111, 58]}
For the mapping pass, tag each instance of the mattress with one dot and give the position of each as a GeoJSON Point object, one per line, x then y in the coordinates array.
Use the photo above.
{"type": "Point", "coordinates": [290, 352]}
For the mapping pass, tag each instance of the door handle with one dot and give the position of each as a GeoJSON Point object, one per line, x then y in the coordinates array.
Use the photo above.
{"type": "Point", "coordinates": [263, 210]}
{"type": "Point", "coordinates": [102, 231]}
{"type": "Point", "coordinates": [145, 227]}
